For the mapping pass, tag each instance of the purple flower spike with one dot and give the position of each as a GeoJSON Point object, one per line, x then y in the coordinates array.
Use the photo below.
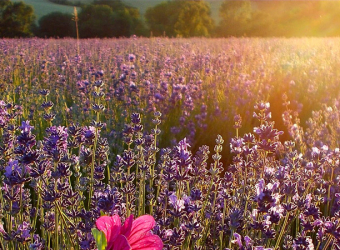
{"type": "Point", "coordinates": [238, 240]}
{"type": "Point", "coordinates": [26, 127]}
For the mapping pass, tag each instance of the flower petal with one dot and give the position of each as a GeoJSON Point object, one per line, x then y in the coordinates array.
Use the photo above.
{"type": "Point", "coordinates": [111, 228]}
{"type": "Point", "coordinates": [121, 243]}
{"type": "Point", "coordinates": [126, 229]}
{"type": "Point", "coordinates": [140, 228]}
{"type": "Point", "coordinates": [151, 242]}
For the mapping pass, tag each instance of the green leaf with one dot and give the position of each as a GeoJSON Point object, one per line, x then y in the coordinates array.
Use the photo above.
{"type": "Point", "coordinates": [100, 239]}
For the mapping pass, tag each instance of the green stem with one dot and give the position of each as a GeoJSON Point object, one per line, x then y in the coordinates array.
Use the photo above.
{"type": "Point", "coordinates": [1, 243]}
{"type": "Point", "coordinates": [205, 203]}
{"type": "Point", "coordinates": [36, 214]}
{"type": "Point", "coordinates": [10, 215]}
{"type": "Point", "coordinates": [56, 230]}
{"type": "Point", "coordinates": [231, 236]}
{"type": "Point", "coordinates": [141, 208]}
{"type": "Point", "coordinates": [329, 193]}
{"type": "Point", "coordinates": [127, 205]}
{"type": "Point", "coordinates": [92, 165]}
{"type": "Point", "coordinates": [159, 186]}
{"type": "Point", "coordinates": [282, 230]}
{"type": "Point", "coordinates": [49, 240]}
{"type": "Point", "coordinates": [143, 193]}
{"type": "Point", "coordinates": [63, 216]}
{"type": "Point", "coordinates": [328, 242]}
{"type": "Point", "coordinates": [108, 174]}
{"type": "Point", "coordinates": [21, 213]}
{"type": "Point", "coordinates": [317, 247]}
{"type": "Point", "coordinates": [206, 228]}
{"type": "Point", "coordinates": [223, 217]}
{"type": "Point", "coordinates": [152, 168]}
{"type": "Point", "coordinates": [56, 233]}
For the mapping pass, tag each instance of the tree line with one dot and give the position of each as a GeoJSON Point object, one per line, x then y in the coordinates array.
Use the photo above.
{"type": "Point", "coordinates": [177, 18]}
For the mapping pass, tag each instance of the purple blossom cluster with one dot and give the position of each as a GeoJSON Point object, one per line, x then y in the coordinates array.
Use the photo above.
{"type": "Point", "coordinates": [272, 196]}
{"type": "Point", "coordinates": [137, 126]}
{"type": "Point", "coordinates": [198, 85]}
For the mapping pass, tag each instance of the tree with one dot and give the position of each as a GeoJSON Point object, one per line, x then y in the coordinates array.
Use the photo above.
{"type": "Point", "coordinates": [96, 21]}
{"type": "Point", "coordinates": [128, 22]}
{"type": "Point", "coordinates": [16, 19]}
{"type": "Point", "coordinates": [236, 18]}
{"type": "Point", "coordinates": [56, 24]}
{"type": "Point", "coordinates": [180, 18]}
{"type": "Point", "coordinates": [4, 3]}
{"type": "Point", "coordinates": [106, 18]}
{"type": "Point", "coordinates": [162, 18]}
{"type": "Point", "coordinates": [126, 18]}
{"type": "Point", "coordinates": [194, 19]}
{"type": "Point", "coordinates": [113, 4]}
{"type": "Point", "coordinates": [261, 24]}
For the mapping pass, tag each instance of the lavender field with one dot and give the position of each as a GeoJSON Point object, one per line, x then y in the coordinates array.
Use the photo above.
{"type": "Point", "coordinates": [170, 144]}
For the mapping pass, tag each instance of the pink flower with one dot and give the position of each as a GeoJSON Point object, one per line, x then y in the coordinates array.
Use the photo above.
{"type": "Point", "coordinates": [134, 234]}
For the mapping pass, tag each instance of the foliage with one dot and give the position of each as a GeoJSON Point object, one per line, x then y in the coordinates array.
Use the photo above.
{"type": "Point", "coordinates": [182, 18]}
{"type": "Point", "coordinates": [44, 7]}
{"type": "Point", "coordinates": [236, 18]}
{"type": "Point", "coordinates": [159, 23]}
{"type": "Point", "coordinates": [16, 19]}
{"type": "Point", "coordinates": [56, 24]}
{"type": "Point", "coordinates": [278, 18]}
{"type": "Point", "coordinates": [96, 21]}
{"type": "Point", "coordinates": [114, 4]}
{"type": "Point", "coordinates": [194, 19]}
{"type": "Point", "coordinates": [109, 19]}
{"type": "Point", "coordinates": [100, 239]}
{"type": "Point", "coordinates": [77, 3]}
{"type": "Point", "coordinates": [65, 2]}
{"type": "Point", "coordinates": [4, 4]}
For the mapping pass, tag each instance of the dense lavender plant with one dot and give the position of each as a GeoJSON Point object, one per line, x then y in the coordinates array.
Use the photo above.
{"type": "Point", "coordinates": [86, 141]}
